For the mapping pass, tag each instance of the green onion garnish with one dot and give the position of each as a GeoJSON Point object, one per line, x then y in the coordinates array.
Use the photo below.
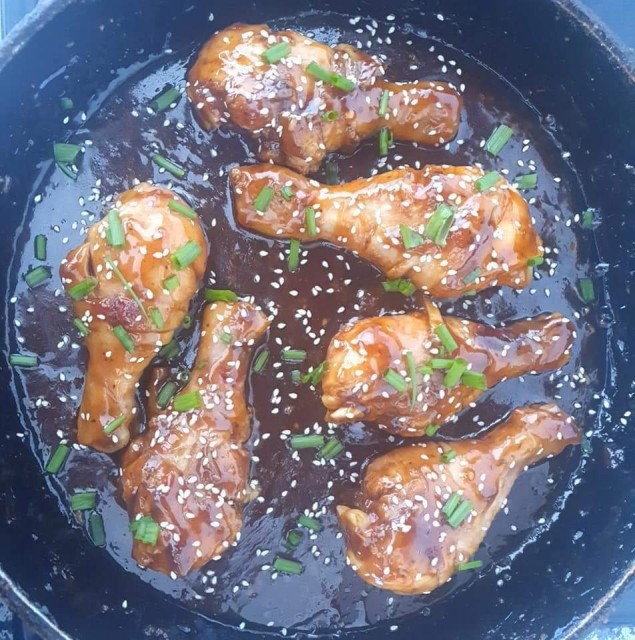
{"type": "Point", "coordinates": [81, 326]}
{"type": "Point", "coordinates": [165, 100]}
{"type": "Point", "coordinates": [425, 369]}
{"type": "Point", "coordinates": [446, 338]}
{"type": "Point", "coordinates": [587, 291]}
{"type": "Point", "coordinates": [66, 103]}
{"type": "Point", "coordinates": [402, 285]}
{"type": "Point", "coordinates": [440, 363]}
{"type": "Point", "coordinates": [588, 218]}
{"type": "Point", "coordinates": [169, 350]}
{"type": "Point", "coordinates": [527, 181]}
{"type": "Point", "coordinates": [309, 217]}
{"type": "Point", "coordinates": [185, 255]}
{"type": "Point", "coordinates": [310, 523]}
{"type": "Point", "coordinates": [187, 321]}
{"type": "Point", "coordinates": [296, 377]}
{"type": "Point", "coordinates": [384, 142]}
{"type": "Point", "coordinates": [96, 528]}
{"type": "Point", "coordinates": [145, 530]}
{"type": "Point", "coordinates": [330, 116]}
{"type": "Point", "coordinates": [292, 567]}
{"type": "Point", "coordinates": [474, 379]}
{"type": "Point", "coordinates": [157, 319]}
{"type": "Point", "coordinates": [113, 425]}
{"type": "Point", "coordinates": [226, 337]}
{"type": "Point", "coordinates": [286, 192]}
{"type": "Point", "coordinates": [472, 276]}
{"type": "Point", "coordinates": [171, 283]}
{"type": "Point", "coordinates": [431, 430]}
{"type": "Point", "coordinates": [220, 295]}
{"type": "Point", "coordinates": [166, 393]}
{"type": "Point", "coordinates": [498, 139]}
{"type": "Point", "coordinates": [396, 380]}
{"type": "Point", "coordinates": [184, 376]}
{"type": "Point", "coordinates": [331, 168]}
{"type": "Point", "coordinates": [409, 237]}
{"type": "Point", "coordinates": [65, 153]}
{"type": "Point", "coordinates": [83, 501]}
{"type": "Point", "coordinates": [315, 375]}
{"type": "Point", "coordinates": [331, 449]}
{"type": "Point", "coordinates": [187, 401]}
{"type": "Point", "coordinates": [127, 286]}
{"type": "Point", "coordinates": [22, 360]}
{"type": "Point", "coordinates": [330, 77]}
{"type": "Point", "coordinates": [448, 456]}
{"type": "Point", "coordinates": [263, 199]}
{"type": "Point", "coordinates": [453, 376]}
{"type": "Point", "coordinates": [37, 276]}
{"type": "Point", "coordinates": [276, 52]}
{"type": "Point", "coordinates": [307, 442]}
{"type": "Point", "coordinates": [183, 209]}
{"type": "Point", "coordinates": [412, 373]}
{"type": "Point", "coordinates": [293, 539]}
{"type": "Point", "coordinates": [439, 224]}
{"type": "Point", "coordinates": [57, 459]}
{"type": "Point", "coordinates": [460, 514]}
{"type": "Point", "coordinates": [80, 290]}
{"type": "Point", "coordinates": [260, 361]}
{"type": "Point", "coordinates": [535, 261]}
{"type": "Point", "coordinates": [168, 165]}
{"type": "Point", "coordinates": [124, 337]}
{"type": "Point", "coordinates": [294, 355]}
{"type": "Point", "coordinates": [487, 181]}
{"type": "Point", "coordinates": [383, 103]}
{"type": "Point", "coordinates": [39, 247]}
{"type": "Point", "coordinates": [466, 566]}
{"type": "Point", "coordinates": [294, 255]}
{"type": "Point", "coordinates": [453, 502]}
{"type": "Point", "coordinates": [67, 170]}
{"type": "Point", "coordinates": [115, 235]}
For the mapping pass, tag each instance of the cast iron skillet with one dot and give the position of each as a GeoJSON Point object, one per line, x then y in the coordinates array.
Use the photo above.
{"type": "Point", "coordinates": [582, 87]}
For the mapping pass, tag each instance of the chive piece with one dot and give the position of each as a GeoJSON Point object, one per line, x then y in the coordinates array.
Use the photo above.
{"type": "Point", "coordinates": [498, 139]}
{"type": "Point", "coordinates": [383, 142]}
{"type": "Point", "coordinates": [440, 363]}
{"type": "Point", "coordinates": [57, 459]}
{"type": "Point", "coordinates": [309, 217]}
{"type": "Point", "coordinates": [113, 425]}
{"type": "Point", "coordinates": [309, 523]}
{"type": "Point", "coordinates": [330, 116]}
{"type": "Point", "coordinates": [165, 100]}
{"type": "Point", "coordinates": [37, 276]}
{"type": "Point", "coordinates": [587, 291]}
{"type": "Point", "coordinates": [171, 283]}
{"type": "Point", "coordinates": [425, 370]}
{"type": "Point", "coordinates": [588, 219]}
{"type": "Point", "coordinates": [383, 103]}
{"type": "Point", "coordinates": [294, 538]}
{"type": "Point", "coordinates": [67, 170]}
{"type": "Point", "coordinates": [402, 285]}
{"type": "Point", "coordinates": [460, 514]}
{"type": "Point", "coordinates": [183, 209]}
{"type": "Point", "coordinates": [226, 337]}
{"type": "Point", "coordinates": [331, 449]}
{"type": "Point", "coordinates": [431, 430]}
{"type": "Point", "coordinates": [472, 276]}
{"type": "Point", "coordinates": [527, 181]}
{"type": "Point", "coordinates": [166, 393]}
{"type": "Point", "coordinates": [83, 501]}
{"type": "Point", "coordinates": [81, 326]}
{"type": "Point", "coordinates": [115, 235]}
{"type": "Point", "coordinates": [474, 379]}
{"type": "Point", "coordinates": [156, 317]}
{"type": "Point", "coordinates": [292, 567]}
{"type": "Point", "coordinates": [294, 255]}
{"type": "Point", "coordinates": [124, 337]}
{"type": "Point", "coordinates": [263, 199]}
{"type": "Point", "coordinates": [260, 361]}
{"type": "Point", "coordinates": [452, 377]}
{"type": "Point", "coordinates": [330, 77]}
{"type": "Point", "coordinates": [23, 361]}
{"type": "Point", "coordinates": [187, 401]}
{"type": "Point", "coordinates": [145, 530]}
{"type": "Point", "coordinates": [412, 373]}
{"type": "Point", "coordinates": [169, 350]}
{"type": "Point", "coordinates": [487, 181]}
{"type": "Point", "coordinates": [535, 261]}
{"type": "Point", "coordinates": [448, 456]}
{"type": "Point", "coordinates": [97, 530]}
{"type": "Point", "coordinates": [183, 376]}
{"type": "Point", "coordinates": [276, 52]}
{"type": "Point", "coordinates": [286, 192]}
{"type": "Point", "coordinates": [294, 355]}
{"type": "Point", "coordinates": [65, 154]}
{"type": "Point", "coordinates": [66, 103]}
{"type": "Point", "coordinates": [453, 502]}
{"type": "Point", "coordinates": [409, 237]}
{"type": "Point", "coordinates": [127, 286]}
{"type": "Point", "coordinates": [332, 171]}
{"type": "Point", "coordinates": [396, 380]}
{"type": "Point", "coordinates": [80, 290]}
{"type": "Point", "coordinates": [315, 375]}
{"type": "Point", "coordinates": [220, 295]}
{"type": "Point", "coordinates": [439, 224]}
{"type": "Point", "coordinates": [307, 442]}
{"type": "Point", "coordinates": [185, 255]}
{"type": "Point", "coordinates": [446, 338]}
{"type": "Point", "coordinates": [296, 377]}
{"type": "Point", "coordinates": [187, 321]}
{"type": "Point", "coordinates": [169, 166]}
{"type": "Point", "coordinates": [466, 566]}
{"type": "Point", "coordinates": [39, 247]}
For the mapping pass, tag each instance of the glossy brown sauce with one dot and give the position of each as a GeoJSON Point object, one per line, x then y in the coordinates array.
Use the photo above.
{"type": "Point", "coordinates": [327, 594]}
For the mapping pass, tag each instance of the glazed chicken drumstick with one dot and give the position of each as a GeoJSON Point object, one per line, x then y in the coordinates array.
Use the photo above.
{"type": "Point", "coordinates": [446, 229]}
{"type": "Point", "coordinates": [302, 99]}
{"type": "Point", "coordinates": [411, 373]}
{"type": "Point", "coordinates": [131, 282]}
{"type": "Point", "coordinates": [421, 516]}
{"type": "Point", "coordinates": [185, 479]}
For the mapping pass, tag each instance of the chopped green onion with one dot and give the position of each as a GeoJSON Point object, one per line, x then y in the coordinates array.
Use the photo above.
{"type": "Point", "coordinates": [165, 100]}
{"type": "Point", "coordinates": [80, 290]}
{"type": "Point", "coordinates": [37, 276]}
{"type": "Point", "coordinates": [220, 295]}
{"type": "Point", "coordinates": [498, 139]}
{"type": "Point", "coordinates": [535, 261]}
{"type": "Point", "coordinates": [187, 321]}
{"type": "Point", "coordinates": [588, 218]}
{"type": "Point", "coordinates": [168, 165]}
{"type": "Point", "coordinates": [296, 377]}
{"type": "Point", "coordinates": [145, 530]}
{"type": "Point", "coordinates": [315, 375]}
{"type": "Point", "coordinates": [294, 255]}
{"type": "Point", "coordinates": [66, 103]}
{"type": "Point", "coordinates": [527, 181]}
{"type": "Point", "coordinates": [439, 224]}
{"type": "Point", "coordinates": [65, 154]}
{"type": "Point", "coordinates": [183, 376]}
{"type": "Point", "coordinates": [383, 103]}
{"type": "Point", "coordinates": [187, 401]}
{"type": "Point", "coordinates": [409, 237]}
{"type": "Point", "coordinates": [446, 338]}
{"type": "Point", "coordinates": [157, 319]}
{"type": "Point", "coordinates": [425, 369]}
{"type": "Point", "coordinates": [487, 181]}
{"type": "Point", "coordinates": [474, 379]}
{"type": "Point", "coordinates": [472, 276]}
{"type": "Point", "coordinates": [171, 283]}
{"type": "Point", "coordinates": [294, 538]}
{"type": "Point", "coordinates": [226, 337]}
{"type": "Point", "coordinates": [286, 192]}
{"type": "Point", "coordinates": [185, 255]}
{"type": "Point", "coordinates": [124, 337]}
{"type": "Point", "coordinates": [263, 199]}
{"type": "Point", "coordinates": [331, 449]}
{"type": "Point", "coordinates": [332, 171]}
{"type": "Point", "coordinates": [460, 514]}
{"type": "Point", "coordinates": [39, 247]}
{"type": "Point", "coordinates": [294, 355]}
{"type": "Point", "coordinates": [330, 77]}
{"type": "Point", "coordinates": [452, 377]}
{"type": "Point", "coordinates": [330, 116]}
{"type": "Point", "coordinates": [83, 501]}
{"type": "Point", "coordinates": [115, 235]}
{"type": "Point", "coordinates": [260, 361]}
{"type": "Point", "coordinates": [67, 170]}
{"type": "Point", "coordinates": [309, 216]}
{"type": "Point", "coordinates": [431, 430]}
{"type": "Point", "coordinates": [402, 285]}
{"type": "Point", "coordinates": [587, 291]}
{"type": "Point", "coordinates": [276, 52]}
{"type": "Point", "coordinates": [292, 567]}
{"type": "Point", "coordinates": [96, 528]}
{"type": "Point", "coordinates": [307, 442]}
{"type": "Point", "coordinates": [396, 380]}
{"type": "Point", "coordinates": [453, 502]}
{"type": "Point", "coordinates": [81, 326]}
{"type": "Point", "coordinates": [127, 286]}
{"type": "Point", "coordinates": [183, 209]}
{"type": "Point", "coordinates": [169, 350]}
{"type": "Point", "coordinates": [383, 142]}
{"type": "Point", "coordinates": [448, 456]}
{"type": "Point", "coordinates": [113, 425]}
{"type": "Point", "coordinates": [310, 523]}
{"type": "Point", "coordinates": [57, 459]}
{"type": "Point", "coordinates": [440, 363]}
{"type": "Point", "coordinates": [466, 566]}
{"type": "Point", "coordinates": [166, 393]}
{"type": "Point", "coordinates": [412, 373]}
{"type": "Point", "coordinates": [22, 360]}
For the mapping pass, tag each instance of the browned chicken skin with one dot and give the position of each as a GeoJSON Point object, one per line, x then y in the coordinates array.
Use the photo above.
{"type": "Point", "coordinates": [354, 387]}
{"type": "Point", "coordinates": [285, 108]}
{"type": "Point", "coordinates": [153, 233]}
{"type": "Point", "coordinates": [400, 539]}
{"type": "Point", "coordinates": [189, 471]}
{"type": "Point", "coordinates": [490, 242]}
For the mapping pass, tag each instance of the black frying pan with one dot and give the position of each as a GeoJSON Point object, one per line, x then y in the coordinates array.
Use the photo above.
{"type": "Point", "coordinates": [581, 90]}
